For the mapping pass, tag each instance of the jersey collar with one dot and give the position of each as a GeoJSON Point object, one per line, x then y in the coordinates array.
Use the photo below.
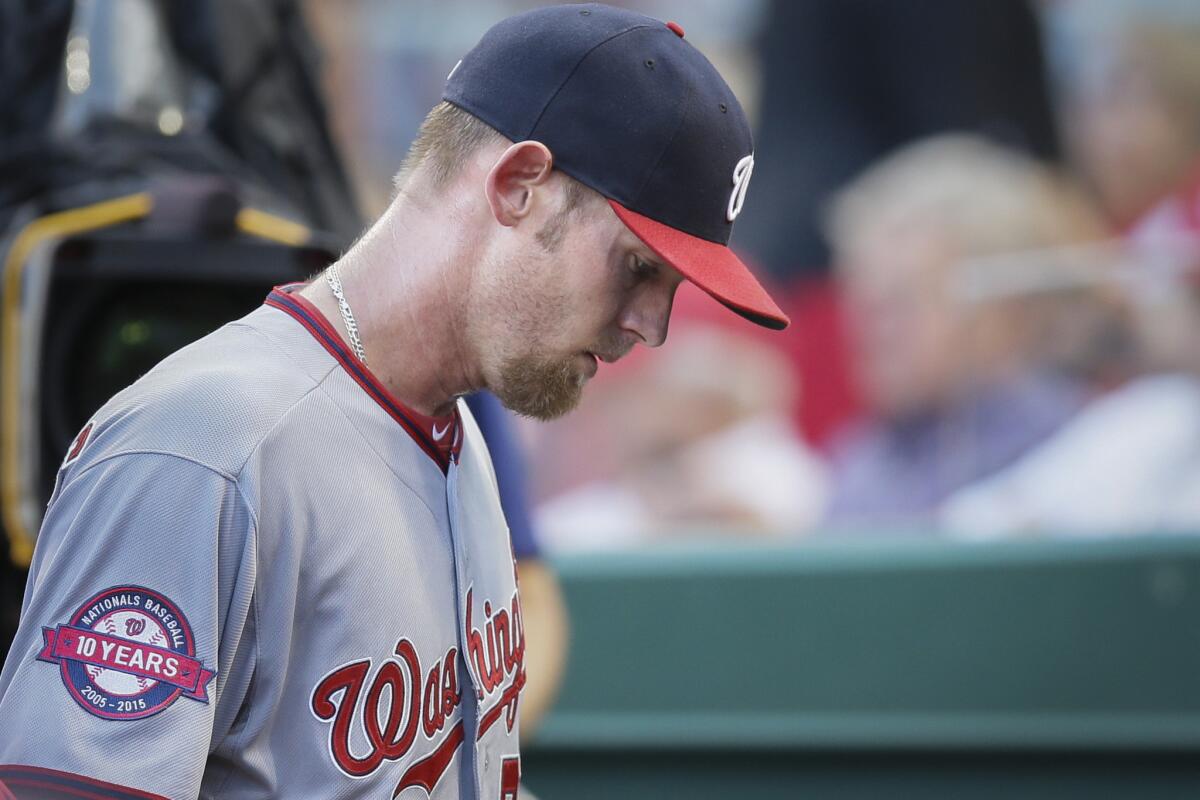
{"type": "Point", "coordinates": [440, 437]}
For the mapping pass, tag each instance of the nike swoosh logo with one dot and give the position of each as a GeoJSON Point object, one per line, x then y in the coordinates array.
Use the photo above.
{"type": "Point", "coordinates": [439, 434]}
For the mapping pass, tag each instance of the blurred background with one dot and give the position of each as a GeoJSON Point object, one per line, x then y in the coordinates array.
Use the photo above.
{"type": "Point", "coordinates": [936, 539]}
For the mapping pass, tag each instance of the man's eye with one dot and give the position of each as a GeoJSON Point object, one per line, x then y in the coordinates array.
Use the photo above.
{"type": "Point", "coordinates": [643, 269]}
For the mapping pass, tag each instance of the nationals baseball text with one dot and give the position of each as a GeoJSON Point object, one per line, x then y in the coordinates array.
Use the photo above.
{"type": "Point", "coordinates": [127, 653]}
{"type": "Point", "coordinates": [147, 604]}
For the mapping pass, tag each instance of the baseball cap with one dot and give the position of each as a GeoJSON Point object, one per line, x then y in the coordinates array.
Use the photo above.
{"type": "Point", "coordinates": [630, 108]}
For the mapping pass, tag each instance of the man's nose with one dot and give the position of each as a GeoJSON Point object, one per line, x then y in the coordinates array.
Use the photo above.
{"type": "Point", "coordinates": [649, 317]}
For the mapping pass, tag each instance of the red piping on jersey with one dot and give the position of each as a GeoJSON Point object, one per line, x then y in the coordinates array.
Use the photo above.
{"type": "Point", "coordinates": [57, 790]}
{"type": "Point", "coordinates": [418, 426]}
{"type": "Point", "coordinates": [15, 776]}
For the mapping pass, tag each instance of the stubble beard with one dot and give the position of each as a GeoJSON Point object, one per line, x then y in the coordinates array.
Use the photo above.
{"type": "Point", "coordinates": [539, 389]}
{"type": "Point", "coordinates": [542, 388]}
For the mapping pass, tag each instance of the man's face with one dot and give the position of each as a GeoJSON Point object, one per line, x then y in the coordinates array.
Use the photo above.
{"type": "Point", "coordinates": [905, 330]}
{"type": "Point", "coordinates": [562, 293]}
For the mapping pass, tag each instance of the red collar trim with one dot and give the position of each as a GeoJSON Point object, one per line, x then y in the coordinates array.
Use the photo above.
{"type": "Point", "coordinates": [440, 437]}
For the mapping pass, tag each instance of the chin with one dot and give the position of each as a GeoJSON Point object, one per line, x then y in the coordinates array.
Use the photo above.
{"type": "Point", "coordinates": [541, 390]}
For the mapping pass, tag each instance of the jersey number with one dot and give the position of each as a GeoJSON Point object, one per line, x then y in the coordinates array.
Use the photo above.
{"type": "Point", "coordinates": [510, 778]}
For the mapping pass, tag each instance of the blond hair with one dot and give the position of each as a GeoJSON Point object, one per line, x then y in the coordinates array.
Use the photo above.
{"type": "Point", "coordinates": [447, 139]}
{"type": "Point", "coordinates": [1011, 220]}
{"type": "Point", "coordinates": [988, 198]}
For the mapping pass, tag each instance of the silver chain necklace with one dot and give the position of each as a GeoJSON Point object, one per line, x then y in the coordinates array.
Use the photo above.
{"type": "Point", "coordinates": [335, 283]}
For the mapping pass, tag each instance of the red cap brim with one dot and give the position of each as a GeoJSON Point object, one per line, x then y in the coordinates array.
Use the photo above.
{"type": "Point", "coordinates": [711, 266]}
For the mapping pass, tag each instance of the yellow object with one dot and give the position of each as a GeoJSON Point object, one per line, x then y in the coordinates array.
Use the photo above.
{"type": "Point", "coordinates": [63, 223]}
{"type": "Point", "coordinates": [67, 223]}
{"type": "Point", "coordinates": [268, 226]}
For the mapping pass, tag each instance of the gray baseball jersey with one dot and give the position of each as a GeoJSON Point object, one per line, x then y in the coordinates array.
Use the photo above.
{"type": "Point", "coordinates": [260, 575]}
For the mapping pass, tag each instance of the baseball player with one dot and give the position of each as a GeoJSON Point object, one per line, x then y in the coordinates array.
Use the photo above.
{"type": "Point", "coordinates": [276, 566]}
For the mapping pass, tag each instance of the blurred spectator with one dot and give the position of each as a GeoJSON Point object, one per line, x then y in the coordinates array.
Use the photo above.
{"type": "Point", "coordinates": [956, 376]}
{"type": "Point", "coordinates": [1129, 74]}
{"type": "Point", "coordinates": [1130, 462]}
{"type": "Point", "coordinates": [847, 81]}
{"type": "Point", "coordinates": [1129, 78]}
{"type": "Point", "coordinates": [698, 439]}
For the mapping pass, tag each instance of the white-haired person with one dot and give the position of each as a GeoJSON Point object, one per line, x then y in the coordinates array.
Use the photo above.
{"type": "Point", "coordinates": [958, 380]}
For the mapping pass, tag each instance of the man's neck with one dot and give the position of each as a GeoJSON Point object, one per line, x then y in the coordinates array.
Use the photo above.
{"type": "Point", "coordinates": [404, 281]}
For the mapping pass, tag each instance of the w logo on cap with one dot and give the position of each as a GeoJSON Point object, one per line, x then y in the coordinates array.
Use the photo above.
{"type": "Point", "coordinates": [741, 181]}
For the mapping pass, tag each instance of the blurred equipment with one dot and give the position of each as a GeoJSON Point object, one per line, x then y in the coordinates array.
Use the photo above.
{"type": "Point", "coordinates": [119, 92]}
{"type": "Point", "coordinates": [162, 166]}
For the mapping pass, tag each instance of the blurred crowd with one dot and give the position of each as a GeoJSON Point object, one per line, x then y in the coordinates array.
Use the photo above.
{"type": "Point", "coordinates": [983, 219]}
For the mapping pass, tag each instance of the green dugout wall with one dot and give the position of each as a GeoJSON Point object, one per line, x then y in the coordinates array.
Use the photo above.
{"type": "Point", "coordinates": [869, 669]}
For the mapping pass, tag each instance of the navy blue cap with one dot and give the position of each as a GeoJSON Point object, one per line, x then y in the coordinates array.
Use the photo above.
{"type": "Point", "coordinates": [628, 107]}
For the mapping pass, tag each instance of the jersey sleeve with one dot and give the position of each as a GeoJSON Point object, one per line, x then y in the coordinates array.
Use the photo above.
{"type": "Point", "coordinates": [136, 636]}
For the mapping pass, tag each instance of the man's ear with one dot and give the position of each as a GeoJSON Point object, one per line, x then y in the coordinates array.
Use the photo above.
{"type": "Point", "coordinates": [510, 183]}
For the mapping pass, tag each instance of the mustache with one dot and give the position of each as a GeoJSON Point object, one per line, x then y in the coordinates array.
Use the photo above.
{"type": "Point", "coordinates": [612, 348]}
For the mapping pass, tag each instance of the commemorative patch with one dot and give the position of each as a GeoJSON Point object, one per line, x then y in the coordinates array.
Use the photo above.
{"type": "Point", "coordinates": [127, 653]}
